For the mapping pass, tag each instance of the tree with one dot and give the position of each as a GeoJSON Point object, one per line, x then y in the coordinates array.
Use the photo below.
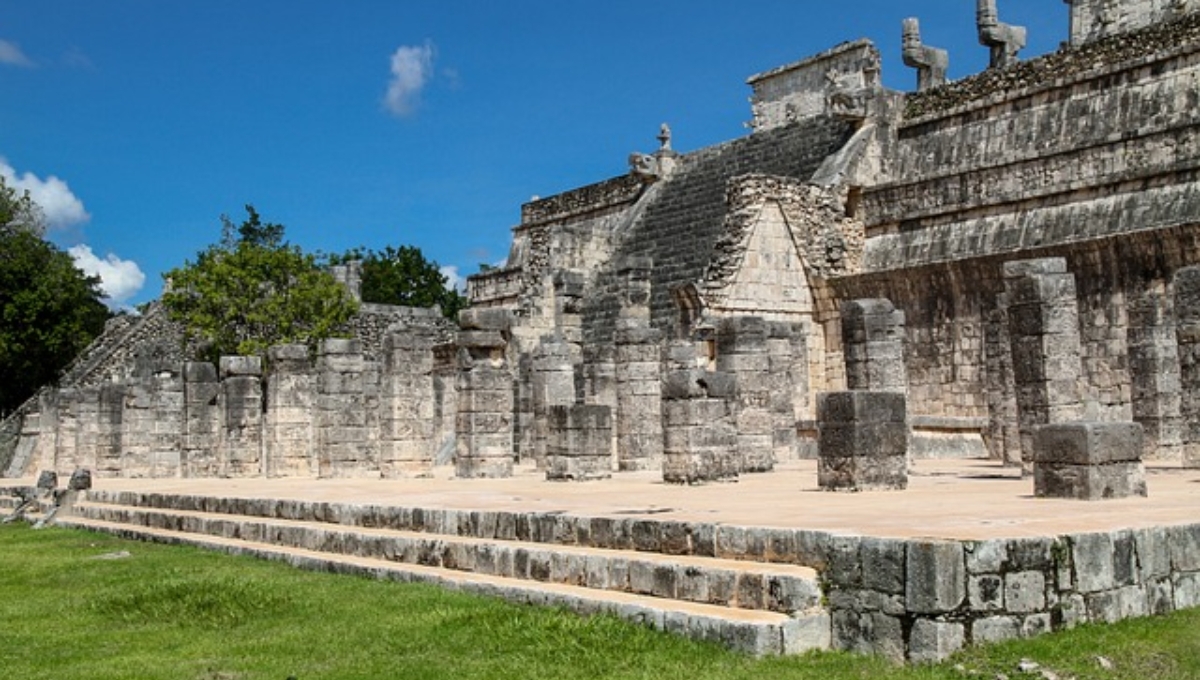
{"type": "Point", "coordinates": [253, 290]}
{"type": "Point", "coordinates": [50, 311]}
{"type": "Point", "coordinates": [402, 276]}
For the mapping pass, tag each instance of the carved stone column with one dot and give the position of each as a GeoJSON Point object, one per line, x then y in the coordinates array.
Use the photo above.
{"type": "Point", "coordinates": [241, 408]}
{"type": "Point", "coordinates": [289, 437]}
{"type": "Point", "coordinates": [1043, 319]}
{"type": "Point", "coordinates": [484, 423]}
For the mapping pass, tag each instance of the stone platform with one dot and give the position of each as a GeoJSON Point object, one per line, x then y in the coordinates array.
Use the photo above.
{"type": "Point", "coordinates": [769, 564]}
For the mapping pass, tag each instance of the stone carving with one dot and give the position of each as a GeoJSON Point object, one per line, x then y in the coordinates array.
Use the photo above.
{"type": "Point", "coordinates": [1004, 40]}
{"type": "Point", "coordinates": [931, 62]}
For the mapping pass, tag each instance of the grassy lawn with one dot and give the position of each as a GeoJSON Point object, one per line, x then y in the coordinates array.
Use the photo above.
{"type": "Point", "coordinates": [184, 614]}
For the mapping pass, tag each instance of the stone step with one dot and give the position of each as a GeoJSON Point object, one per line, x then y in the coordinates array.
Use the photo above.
{"type": "Point", "coordinates": [751, 631]}
{"type": "Point", "coordinates": [642, 532]}
{"type": "Point", "coordinates": [780, 588]}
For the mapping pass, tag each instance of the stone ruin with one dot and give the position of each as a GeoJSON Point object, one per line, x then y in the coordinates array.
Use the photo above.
{"type": "Point", "coordinates": [999, 267]}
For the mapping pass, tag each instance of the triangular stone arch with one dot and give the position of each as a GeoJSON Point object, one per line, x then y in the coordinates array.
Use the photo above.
{"type": "Point", "coordinates": [772, 279]}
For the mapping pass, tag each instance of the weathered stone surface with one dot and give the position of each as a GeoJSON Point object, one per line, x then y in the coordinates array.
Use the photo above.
{"type": "Point", "coordinates": [935, 581]}
{"type": "Point", "coordinates": [932, 640]}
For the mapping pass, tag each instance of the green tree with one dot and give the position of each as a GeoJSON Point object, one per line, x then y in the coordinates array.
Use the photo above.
{"type": "Point", "coordinates": [253, 290]}
{"type": "Point", "coordinates": [402, 276]}
{"type": "Point", "coordinates": [49, 310]}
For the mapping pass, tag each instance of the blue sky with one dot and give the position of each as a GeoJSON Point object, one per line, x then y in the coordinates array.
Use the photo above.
{"type": "Point", "coordinates": [138, 123]}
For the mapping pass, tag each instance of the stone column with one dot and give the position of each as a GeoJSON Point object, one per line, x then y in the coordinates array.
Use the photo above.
{"type": "Point", "coordinates": [168, 421]}
{"type": "Point", "coordinates": [288, 437]}
{"type": "Point", "coordinates": [579, 442]}
{"type": "Point", "coordinates": [87, 444]}
{"type": "Point", "coordinates": [553, 378]}
{"type": "Point", "coordinates": [1187, 334]}
{"type": "Point", "coordinates": [742, 352]}
{"type": "Point", "coordinates": [484, 425]}
{"type": "Point", "coordinates": [1043, 322]}
{"type": "Point", "coordinates": [788, 369]}
{"type": "Point", "coordinates": [700, 436]}
{"type": "Point", "coordinates": [241, 408]}
{"type": "Point", "coordinates": [343, 443]}
{"type": "Point", "coordinates": [600, 383]}
{"type": "Point", "coordinates": [66, 453]}
{"type": "Point", "coordinates": [1154, 371]}
{"type": "Point", "coordinates": [201, 435]}
{"type": "Point", "coordinates": [873, 342]}
{"type": "Point", "coordinates": [47, 442]}
{"type": "Point", "coordinates": [445, 399]}
{"type": "Point", "coordinates": [862, 441]}
{"type": "Point", "coordinates": [137, 429]}
{"type": "Point", "coordinates": [109, 445]}
{"type": "Point", "coordinates": [409, 409]}
{"type": "Point", "coordinates": [638, 373]}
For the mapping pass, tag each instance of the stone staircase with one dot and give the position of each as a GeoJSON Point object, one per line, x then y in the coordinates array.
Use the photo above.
{"type": "Point", "coordinates": [652, 572]}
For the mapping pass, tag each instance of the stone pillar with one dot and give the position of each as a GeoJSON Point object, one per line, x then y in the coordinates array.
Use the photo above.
{"type": "Point", "coordinates": [168, 422]}
{"type": "Point", "coordinates": [109, 445]}
{"type": "Point", "coordinates": [137, 429]}
{"type": "Point", "coordinates": [241, 408]}
{"type": "Point", "coordinates": [445, 400]}
{"type": "Point", "coordinates": [409, 426]}
{"type": "Point", "coordinates": [579, 442]}
{"type": "Point", "coordinates": [47, 442]}
{"type": "Point", "coordinates": [1187, 334]}
{"type": "Point", "coordinates": [1088, 461]}
{"type": "Point", "coordinates": [742, 352]}
{"type": "Point", "coordinates": [484, 425]}
{"type": "Point", "coordinates": [638, 373]}
{"type": "Point", "coordinates": [600, 383]}
{"type": "Point", "coordinates": [201, 435]}
{"type": "Point", "coordinates": [787, 370]}
{"type": "Point", "coordinates": [700, 436]}
{"type": "Point", "coordinates": [862, 441]}
{"type": "Point", "coordinates": [873, 342]}
{"type": "Point", "coordinates": [288, 438]}
{"type": "Point", "coordinates": [553, 384]}
{"type": "Point", "coordinates": [87, 443]}
{"type": "Point", "coordinates": [66, 454]}
{"type": "Point", "coordinates": [1043, 322]}
{"type": "Point", "coordinates": [1154, 371]}
{"type": "Point", "coordinates": [343, 443]}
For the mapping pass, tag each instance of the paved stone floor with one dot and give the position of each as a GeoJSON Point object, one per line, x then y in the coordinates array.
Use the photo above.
{"type": "Point", "coordinates": [966, 499]}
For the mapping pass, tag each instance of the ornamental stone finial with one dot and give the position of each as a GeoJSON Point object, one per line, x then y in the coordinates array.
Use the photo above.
{"type": "Point", "coordinates": [1004, 40]}
{"type": "Point", "coordinates": [664, 137]}
{"type": "Point", "coordinates": [931, 62]}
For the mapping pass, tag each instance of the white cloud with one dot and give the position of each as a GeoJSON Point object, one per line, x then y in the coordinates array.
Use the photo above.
{"type": "Point", "coordinates": [453, 278]}
{"type": "Point", "coordinates": [412, 67]}
{"type": "Point", "coordinates": [11, 54]}
{"type": "Point", "coordinates": [62, 208]}
{"type": "Point", "coordinates": [120, 279]}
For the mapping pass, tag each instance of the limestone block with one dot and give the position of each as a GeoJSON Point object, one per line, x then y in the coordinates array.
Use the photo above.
{"type": "Point", "coordinates": [807, 631]}
{"type": "Point", "coordinates": [861, 406]}
{"type": "Point", "coordinates": [883, 564]}
{"type": "Point", "coordinates": [579, 446]}
{"type": "Point", "coordinates": [985, 592]}
{"type": "Point", "coordinates": [1088, 461]}
{"type": "Point", "coordinates": [936, 576]}
{"type": "Point", "coordinates": [995, 629]}
{"type": "Point", "coordinates": [931, 640]}
{"type": "Point", "coordinates": [235, 366]}
{"type": "Point", "coordinates": [1092, 555]}
{"type": "Point", "coordinates": [1025, 592]}
{"type": "Point", "coordinates": [863, 473]}
{"type": "Point", "coordinates": [485, 319]}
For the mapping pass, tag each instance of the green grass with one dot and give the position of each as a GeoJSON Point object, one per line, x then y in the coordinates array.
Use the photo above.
{"type": "Point", "coordinates": [184, 614]}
